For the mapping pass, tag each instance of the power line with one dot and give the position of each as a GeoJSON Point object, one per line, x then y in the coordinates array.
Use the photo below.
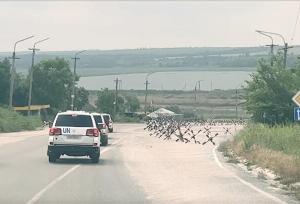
{"type": "Point", "coordinates": [295, 26]}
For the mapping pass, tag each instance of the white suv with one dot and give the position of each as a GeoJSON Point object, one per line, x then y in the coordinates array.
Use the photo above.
{"type": "Point", "coordinates": [74, 133]}
{"type": "Point", "coordinates": [102, 127]}
{"type": "Point", "coordinates": [108, 121]}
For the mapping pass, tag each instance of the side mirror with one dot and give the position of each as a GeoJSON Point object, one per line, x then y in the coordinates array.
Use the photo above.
{"type": "Point", "coordinates": [50, 124]}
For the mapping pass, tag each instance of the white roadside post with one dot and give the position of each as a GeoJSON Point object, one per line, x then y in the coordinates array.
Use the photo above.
{"type": "Point", "coordinates": [296, 100]}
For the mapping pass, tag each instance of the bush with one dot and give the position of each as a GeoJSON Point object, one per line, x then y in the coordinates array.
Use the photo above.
{"type": "Point", "coordinates": [11, 121]}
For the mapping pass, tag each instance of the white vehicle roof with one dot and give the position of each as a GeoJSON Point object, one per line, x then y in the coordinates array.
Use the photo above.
{"type": "Point", "coordinates": [94, 113]}
{"type": "Point", "coordinates": [105, 114]}
{"type": "Point", "coordinates": [69, 112]}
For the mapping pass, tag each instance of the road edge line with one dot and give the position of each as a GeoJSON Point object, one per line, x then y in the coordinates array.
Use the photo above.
{"type": "Point", "coordinates": [268, 195]}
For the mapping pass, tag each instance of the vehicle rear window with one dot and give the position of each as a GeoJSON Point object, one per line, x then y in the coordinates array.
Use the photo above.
{"type": "Point", "coordinates": [106, 118]}
{"type": "Point", "coordinates": [98, 119]}
{"type": "Point", "coordinates": [74, 121]}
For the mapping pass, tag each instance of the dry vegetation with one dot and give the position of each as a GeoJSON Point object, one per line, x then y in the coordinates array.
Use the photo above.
{"type": "Point", "coordinates": [275, 148]}
{"type": "Point", "coordinates": [217, 104]}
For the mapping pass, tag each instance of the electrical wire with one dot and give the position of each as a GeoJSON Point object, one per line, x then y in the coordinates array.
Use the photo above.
{"type": "Point", "coordinates": [295, 26]}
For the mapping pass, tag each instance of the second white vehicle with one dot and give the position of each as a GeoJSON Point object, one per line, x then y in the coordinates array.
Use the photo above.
{"type": "Point", "coordinates": [102, 127]}
{"type": "Point", "coordinates": [108, 121]}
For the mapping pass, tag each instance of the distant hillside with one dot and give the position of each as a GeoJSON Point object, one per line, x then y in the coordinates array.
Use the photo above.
{"type": "Point", "coordinates": [98, 62]}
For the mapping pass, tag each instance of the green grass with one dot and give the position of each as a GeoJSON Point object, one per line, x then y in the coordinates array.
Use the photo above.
{"type": "Point", "coordinates": [285, 139]}
{"type": "Point", "coordinates": [276, 148]}
{"type": "Point", "coordinates": [11, 121]}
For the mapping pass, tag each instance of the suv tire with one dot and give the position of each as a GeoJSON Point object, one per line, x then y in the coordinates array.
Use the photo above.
{"type": "Point", "coordinates": [52, 158]}
{"type": "Point", "coordinates": [95, 158]}
{"type": "Point", "coordinates": [104, 140]}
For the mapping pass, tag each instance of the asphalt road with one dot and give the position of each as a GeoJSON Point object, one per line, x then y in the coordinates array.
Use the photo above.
{"type": "Point", "coordinates": [27, 177]}
{"type": "Point", "coordinates": [126, 173]}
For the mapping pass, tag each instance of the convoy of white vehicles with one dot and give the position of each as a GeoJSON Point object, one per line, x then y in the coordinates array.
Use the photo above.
{"type": "Point", "coordinates": [78, 133]}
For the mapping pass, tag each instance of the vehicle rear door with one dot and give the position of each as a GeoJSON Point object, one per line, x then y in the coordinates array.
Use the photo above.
{"type": "Point", "coordinates": [74, 129]}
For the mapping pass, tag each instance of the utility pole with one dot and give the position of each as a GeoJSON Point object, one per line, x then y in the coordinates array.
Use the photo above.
{"type": "Point", "coordinates": [199, 86]}
{"type": "Point", "coordinates": [285, 44]}
{"type": "Point", "coordinates": [116, 95]}
{"type": "Point", "coordinates": [272, 52]}
{"type": "Point", "coordinates": [13, 73]}
{"type": "Point", "coordinates": [74, 78]}
{"type": "Point", "coordinates": [271, 45]}
{"type": "Point", "coordinates": [195, 93]}
{"type": "Point", "coordinates": [146, 95]}
{"type": "Point", "coordinates": [285, 50]}
{"type": "Point", "coordinates": [31, 73]}
{"type": "Point", "coordinates": [236, 103]}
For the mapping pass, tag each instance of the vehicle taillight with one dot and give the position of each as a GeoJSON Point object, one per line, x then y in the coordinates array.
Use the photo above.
{"type": "Point", "coordinates": [92, 132]}
{"type": "Point", "coordinates": [54, 131]}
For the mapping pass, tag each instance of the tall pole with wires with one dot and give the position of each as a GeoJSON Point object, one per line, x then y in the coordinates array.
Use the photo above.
{"type": "Point", "coordinates": [296, 23]}
{"type": "Point", "coordinates": [13, 72]}
{"type": "Point", "coordinates": [146, 96]}
{"type": "Point", "coordinates": [199, 86]}
{"type": "Point", "coordinates": [146, 92]}
{"type": "Point", "coordinates": [285, 44]}
{"type": "Point", "coordinates": [34, 49]}
{"type": "Point", "coordinates": [74, 77]}
{"type": "Point", "coordinates": [117, 81]}
{"type": "Point", "coordinates": [271, 45]}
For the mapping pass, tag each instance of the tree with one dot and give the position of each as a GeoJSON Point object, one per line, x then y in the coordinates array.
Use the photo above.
{"type": "Point", "coordinates": [105, 102]}
{"type": "Point", "coordinates": [81, 98]}
{"type": "Point", "coordinates": [52, 84]}
{"type": "Point", "coordinates": [174, 108]}
{"type": "Point", "coordinates": [132, 103]}
{"type": "Point", "coordinates": [20, 97]}
{"type": "Point", "coordinates": [269, 92]}
{"type": "Point", "coordinates": [4, 81]}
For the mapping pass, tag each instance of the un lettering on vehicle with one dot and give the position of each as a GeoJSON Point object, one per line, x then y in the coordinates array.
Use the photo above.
{"type": "Point", "coordinates": [66, 130]}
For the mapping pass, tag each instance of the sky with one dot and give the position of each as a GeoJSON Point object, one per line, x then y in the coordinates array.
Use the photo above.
{"type": "Point", "coordinates": [105, 25]}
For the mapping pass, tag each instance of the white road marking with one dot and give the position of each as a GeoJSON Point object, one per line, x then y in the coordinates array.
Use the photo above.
{"type": "Point", "coordinates": [37, 196]}
{"type": "Point", "coordinates": [277, 200]}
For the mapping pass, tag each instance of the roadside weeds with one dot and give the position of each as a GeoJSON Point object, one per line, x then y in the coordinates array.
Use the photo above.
{"type": "Point", "coordinates": [256, 149]}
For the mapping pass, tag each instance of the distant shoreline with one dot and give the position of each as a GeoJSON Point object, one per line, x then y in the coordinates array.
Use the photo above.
{"type": "Point", "coordinates": [118, 71]}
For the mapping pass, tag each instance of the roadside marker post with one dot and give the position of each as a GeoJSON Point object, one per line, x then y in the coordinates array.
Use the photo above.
{"type": "Point", "coordinates": [297, 114]}
{"type": "Point", "coordinates": [296, 99]}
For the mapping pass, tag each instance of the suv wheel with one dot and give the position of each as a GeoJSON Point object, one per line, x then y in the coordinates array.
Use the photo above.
{"type": "Point", "coordinates": [52, 158]}
{"type": "Point", "coordinates": [104, 140]}
{"type": "Point", "coordinates": [95, 158]}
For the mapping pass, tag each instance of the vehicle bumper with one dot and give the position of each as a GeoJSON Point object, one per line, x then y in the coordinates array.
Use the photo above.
{"type": "Point", "coordinates": [73, 150]}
